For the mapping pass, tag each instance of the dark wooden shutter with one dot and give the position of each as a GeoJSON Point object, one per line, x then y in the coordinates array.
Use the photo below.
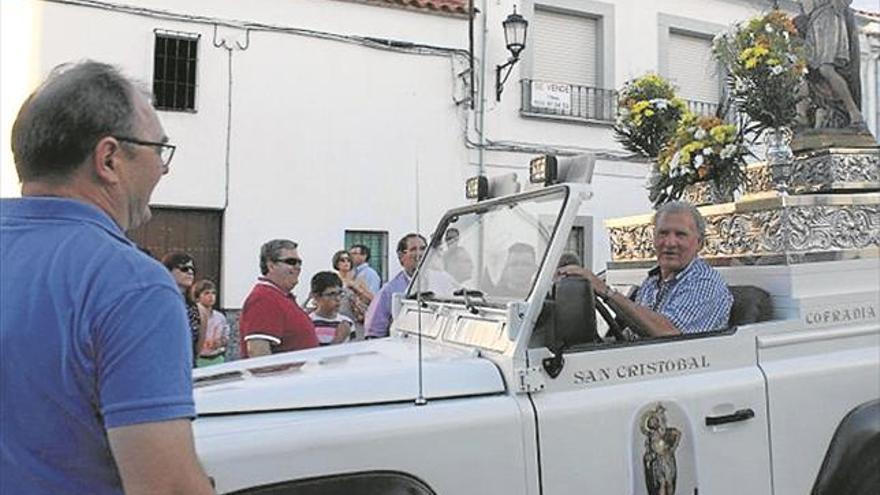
{"type": "Point", "coordinates": [196, 232]}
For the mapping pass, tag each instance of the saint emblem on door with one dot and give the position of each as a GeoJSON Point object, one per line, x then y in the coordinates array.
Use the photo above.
{"type": "Point", "coordinates": [661, 440]}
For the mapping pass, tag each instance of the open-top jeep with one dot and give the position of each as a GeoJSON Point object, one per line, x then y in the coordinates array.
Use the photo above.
{"type": "Point", "coordinates": [499, 378]}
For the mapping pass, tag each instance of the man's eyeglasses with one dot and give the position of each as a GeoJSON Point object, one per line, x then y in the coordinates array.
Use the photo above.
{"type": "Point", "coordinates": [187, 268]}
{"type": "Point", "coordinates": [332, 293]}
{"type": "Point", "coordinates": [165, 150]}
{"type": "Point", "coordinates": [294, 262]}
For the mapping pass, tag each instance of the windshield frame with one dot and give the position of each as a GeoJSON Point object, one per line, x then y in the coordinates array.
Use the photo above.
{"type": "Point", "coordinates": [495, 203]}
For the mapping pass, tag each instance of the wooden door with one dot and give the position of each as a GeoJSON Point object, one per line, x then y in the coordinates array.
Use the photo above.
{"type": "Point", "coordinates": [196, 232]}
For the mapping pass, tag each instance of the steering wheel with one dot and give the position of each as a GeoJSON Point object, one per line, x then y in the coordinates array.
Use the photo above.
{"type": "Point", "coordinates": [614, 327]}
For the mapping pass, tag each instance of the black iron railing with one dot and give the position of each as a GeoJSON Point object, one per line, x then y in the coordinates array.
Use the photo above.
{"type": "Point", "coordinates": [572, 101]}
{"type": "Point", "coordinates": [568, 100]}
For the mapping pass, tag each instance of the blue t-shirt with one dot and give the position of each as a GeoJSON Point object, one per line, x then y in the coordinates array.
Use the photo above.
{"type": "Point", "coordinates": [93, 335]}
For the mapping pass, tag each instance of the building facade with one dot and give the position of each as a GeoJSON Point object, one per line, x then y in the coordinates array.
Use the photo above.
{"type": "Point", "coordinates": [338, 121]}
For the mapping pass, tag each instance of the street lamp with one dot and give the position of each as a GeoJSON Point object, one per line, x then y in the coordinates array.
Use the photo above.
{"type": "Point", "coordinates": [515, 27]}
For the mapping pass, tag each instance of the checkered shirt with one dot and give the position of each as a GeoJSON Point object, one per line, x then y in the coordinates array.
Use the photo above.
{"type": "Point", "coordinates": [695, 300]}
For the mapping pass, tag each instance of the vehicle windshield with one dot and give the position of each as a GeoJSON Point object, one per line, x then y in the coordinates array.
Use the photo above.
{"type": "Point", "coordinates": [493, 252]}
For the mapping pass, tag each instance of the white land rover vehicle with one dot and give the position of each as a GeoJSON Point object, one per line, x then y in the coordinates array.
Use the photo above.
{"type": "Point", "coordinates": [515, 386]}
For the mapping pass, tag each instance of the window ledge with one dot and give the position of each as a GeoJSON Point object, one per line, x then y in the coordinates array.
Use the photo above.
{"type": "Point", "coordinates": [567, 119]}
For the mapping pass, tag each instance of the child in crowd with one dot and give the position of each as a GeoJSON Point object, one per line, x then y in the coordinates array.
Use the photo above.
{"type": "Point", "coordinates": [213, 351]}
{"type": "Point", "coordinates": [330, 326]}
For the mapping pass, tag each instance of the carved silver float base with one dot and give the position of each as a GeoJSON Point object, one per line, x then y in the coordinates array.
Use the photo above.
{"type": "Point", "coordinates": [705, 193]}
{"type": "Point", "coordinates": [767, 229]}
{"type": "Point", "coordinates": [828, 170]}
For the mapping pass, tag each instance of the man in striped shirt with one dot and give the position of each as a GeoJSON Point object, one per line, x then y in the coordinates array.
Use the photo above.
{"type": "Point", "coordinates": [682, 294]}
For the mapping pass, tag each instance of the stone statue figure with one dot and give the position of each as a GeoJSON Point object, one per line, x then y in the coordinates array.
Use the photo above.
{"type": "Point", "coordinates": [832, 49]}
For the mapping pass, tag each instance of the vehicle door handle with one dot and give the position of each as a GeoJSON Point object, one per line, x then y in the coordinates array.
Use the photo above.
{"type": "Point", "coordinates": [741, 415]}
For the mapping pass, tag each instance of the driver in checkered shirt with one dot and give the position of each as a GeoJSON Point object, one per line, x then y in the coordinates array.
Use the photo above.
{"type": "Point", "coordinates": [682, 294]}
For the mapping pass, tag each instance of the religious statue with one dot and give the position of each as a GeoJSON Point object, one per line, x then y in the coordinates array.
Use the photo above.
{"type": "Point", "coordinates": [661, 441]}
{"type": "Point", "coordinates": [833, 86]}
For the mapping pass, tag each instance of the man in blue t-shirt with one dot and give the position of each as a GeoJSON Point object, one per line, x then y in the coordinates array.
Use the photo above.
{"type": "Point", "coordinates": [95, 376]}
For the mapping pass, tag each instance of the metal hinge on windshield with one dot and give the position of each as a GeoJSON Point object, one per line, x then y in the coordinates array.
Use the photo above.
{"type": "Point", "coordinates": [531, 380]}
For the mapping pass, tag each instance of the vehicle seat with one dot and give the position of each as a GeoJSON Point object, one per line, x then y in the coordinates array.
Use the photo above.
{"type": "Point", "coordinates": [750, 305]}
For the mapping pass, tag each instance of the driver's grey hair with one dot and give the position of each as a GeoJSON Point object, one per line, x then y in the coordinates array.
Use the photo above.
{"type": "Point", "coordinates": [683, 207]}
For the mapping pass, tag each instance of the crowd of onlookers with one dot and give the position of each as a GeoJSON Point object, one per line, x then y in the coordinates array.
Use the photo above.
{"type": "Point", "coordinates": [346, 303]}
{"type": "Point", "coordinates": [94, 335]}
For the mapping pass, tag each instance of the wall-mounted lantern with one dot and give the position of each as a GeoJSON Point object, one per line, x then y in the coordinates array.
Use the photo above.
{"type": "Point", "coordinates": [515, 27]}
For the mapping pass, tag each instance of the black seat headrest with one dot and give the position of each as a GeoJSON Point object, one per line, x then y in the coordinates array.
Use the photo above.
{"type": "Point", "coordinates": [750, 305]}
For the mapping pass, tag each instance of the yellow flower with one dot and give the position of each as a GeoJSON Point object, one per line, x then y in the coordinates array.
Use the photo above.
{"type": "Point", "coordinates": [721, 133]}
{"type": "Point", "coordinates": [751, 63]}
{"type": "Point", "coordinates": [641, 105]}
{"type": "Point", "coordinates": [649, 113]}
{"type": "Point", "coordinates": [772, 62]}
{"type": "Point", "coordinates": [685, 156]}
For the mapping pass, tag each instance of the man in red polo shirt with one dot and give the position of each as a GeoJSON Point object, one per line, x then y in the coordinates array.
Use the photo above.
{"type": "Point", "coordinates": [271, 320]}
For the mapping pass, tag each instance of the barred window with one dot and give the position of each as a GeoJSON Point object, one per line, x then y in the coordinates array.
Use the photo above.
{"type": "Point", "coordinates": [174, 70]}
{"type": "Point", "coordinates": [378, 244]}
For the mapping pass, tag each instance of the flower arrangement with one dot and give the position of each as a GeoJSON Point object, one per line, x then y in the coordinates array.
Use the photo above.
{"type": "Point", "coordinates": [647, 114]}
{"type": "Point", "coordinates": [765, 60]}
{"type": "Point", "coordinates": [701, 149]}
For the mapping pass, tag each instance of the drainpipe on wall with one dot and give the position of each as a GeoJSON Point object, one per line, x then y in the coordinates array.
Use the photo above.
{"type": "Point", "coordinates": [481, 116]}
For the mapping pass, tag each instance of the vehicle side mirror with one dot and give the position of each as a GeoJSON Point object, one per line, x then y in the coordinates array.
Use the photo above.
{"type": "Point", "coordinates": [568, 319]}
{"type": "Point", "coordinates": [574, 314]}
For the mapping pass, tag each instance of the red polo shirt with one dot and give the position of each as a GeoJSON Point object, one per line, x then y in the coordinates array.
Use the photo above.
{"type": "Point", "coordinates": [270, 313]}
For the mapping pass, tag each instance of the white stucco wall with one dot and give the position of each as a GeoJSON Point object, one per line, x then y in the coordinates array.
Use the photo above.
{"type": "Point", "coordinates": [327, 135]}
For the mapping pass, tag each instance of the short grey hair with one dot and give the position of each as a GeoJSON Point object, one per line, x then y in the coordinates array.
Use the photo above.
{"type": "Point", "coordinates": [683, 207]}
{"type": "Point", "coordinates": [60, 123]}
{"type": "Point", "coordinates": [270, 251]}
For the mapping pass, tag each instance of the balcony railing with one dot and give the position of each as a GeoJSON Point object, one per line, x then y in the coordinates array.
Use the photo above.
{"type": "Point", "coordinates": [568, 101]}
{"type": "Point", "coordinates": [586, 103]}
{"type": "Point", "coordinates": [702, 107]}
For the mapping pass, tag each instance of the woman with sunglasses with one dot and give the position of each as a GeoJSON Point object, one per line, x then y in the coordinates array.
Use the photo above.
{"type": "Point", "coordinates": [356, 296]}
{"type": "Point", "coordinates": [183, 270]}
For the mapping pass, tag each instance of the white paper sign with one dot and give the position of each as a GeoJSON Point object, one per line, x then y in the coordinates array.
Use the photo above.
{"type": "Point", "coordinates": [551, 96]}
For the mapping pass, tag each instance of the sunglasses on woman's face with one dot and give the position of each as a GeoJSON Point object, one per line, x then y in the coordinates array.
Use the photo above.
{"type": "Point", "coordinates": [347, 260]}
{"type": "Point", "coordinates": [187, 268]}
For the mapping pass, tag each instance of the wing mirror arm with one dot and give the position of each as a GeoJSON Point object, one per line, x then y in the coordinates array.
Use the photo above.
{"type": "Point", "coordinates": [554, 364]}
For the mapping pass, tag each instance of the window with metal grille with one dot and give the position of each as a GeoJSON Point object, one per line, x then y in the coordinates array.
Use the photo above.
{"type": "Point", "coordinates": [174, 70]}
{"type": "Point", "coordinates": [580, 239]}
{"type": "Point", "coordinates": [377, 242]}
{"type": "Point", "coordinates": [575, 243]}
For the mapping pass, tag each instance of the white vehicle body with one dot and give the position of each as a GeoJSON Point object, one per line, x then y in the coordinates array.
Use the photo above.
{"type": "Point", "coordinates": [458, 400]}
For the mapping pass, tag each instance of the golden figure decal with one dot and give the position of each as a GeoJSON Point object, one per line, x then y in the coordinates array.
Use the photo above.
{"type": "Point", "coordinates": [659, 459]}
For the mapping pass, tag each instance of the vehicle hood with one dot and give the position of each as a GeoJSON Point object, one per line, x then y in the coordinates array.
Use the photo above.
{"type": "Point", "coordinates": [360, 373]}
